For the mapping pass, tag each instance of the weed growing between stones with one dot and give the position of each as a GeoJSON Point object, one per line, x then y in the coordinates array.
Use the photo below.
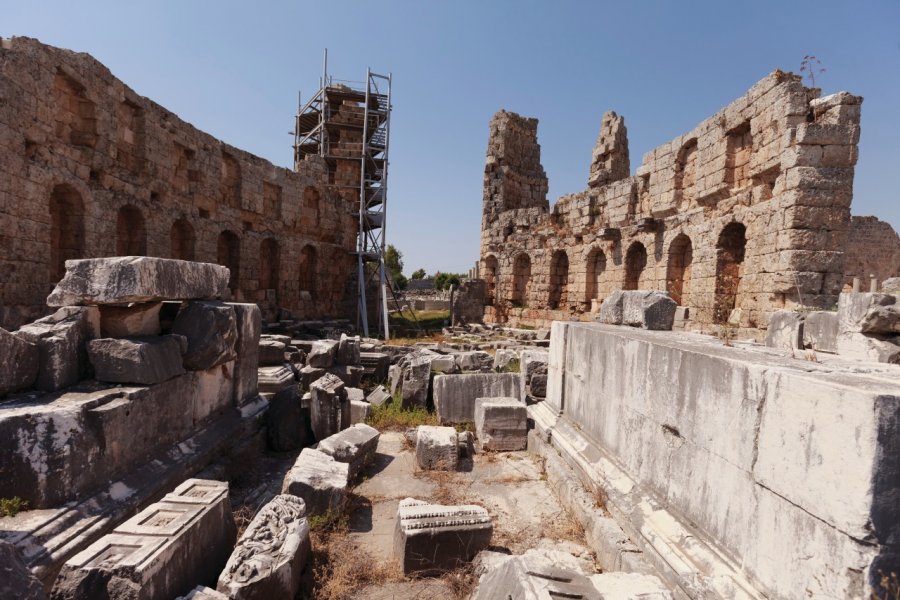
{"type": "Point", "coordinates": [890, 587]}
{"type": "Point", "coordinates": [10, 507]}
{"type": "Point", "coordinates": [391, 417]}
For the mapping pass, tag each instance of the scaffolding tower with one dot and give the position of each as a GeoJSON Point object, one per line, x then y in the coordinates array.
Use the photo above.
{"type": "Point", "coordinates": [347, 122]}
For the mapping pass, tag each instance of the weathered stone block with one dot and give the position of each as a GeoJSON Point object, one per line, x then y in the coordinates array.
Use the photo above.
{"type": "Point", "coordinates": [444, 363]}
{"type": "Point", "coordinates": [785, 330]}
{"type": "Point", "coordinates": [320, 480]}
{"type": "Point", "coordinates": [272, 380]}
{"type": "Point", "coordinates": [211, 332]}
{"type": "Point", "coordinates": [869, 313]}
{"type": "Point", "coordinates": [891, 285]}
{"type": "Point", "coordinates": [430, 538]}
{"type": "Point", "coordinates": [248, 324]}
{"type": "Point", "coordinates": [60, 339]}
{"type": "Point", "coordinates": [140, 360]}
{"type": "Point", "coordinates": [286, 424]}
{"type": "Point", "coordinates": [534, 576]}
{"type": "Point", "coordinates": [329, 407]}
{"type": "Point", "coordinates": [378, 396]}
{"type": "Point", "coordinates": [309, 374]}
{"type": "Point", "coordinates": [416, 379]}
{"type": "Point", "coordinates": [820, 331]}
{"type": "Point", "coordinates": [124, 279]}
{"type": "Point", "coordinates": [355, 446]}
{"type": "Point", "coordinates": [359, 411]}
{"type": "Point", "coordinates": [475, 360]}
{"type": "Point", "coordinates": [505, 357]}
{"type": "Point", "coordinates": [648, 310]}
{"type": "Point", "coordinates": [271, 553]}
{"type": "Point", "coordinates": [395, 378]}
{"type": "Point", "coordinates": [201, 592]}
{"type": "Point", "coordinates": [322, 354]}
{"type": "Point", "coordinates": [348, 350]}
{"type": "Point", "coordinates": [375, 365]}
{"type": "Point", "coordinates": [454, 395]}
{"type": "Point", "coordinates": [130, 321]}
{"type": "Point", "coordinates": [612, 309]}
{"type": "Point", "coordinates": [20, 360]}
{"type": "Point", "coordinates": [875, 348]}
{"type": "Point", "coordinates": [16, 581]}
{"type": "Point", "coordinates": [629, 586]}
{"type": "Point", "coordinates": [271, 352]}
{"type": "Point", "coordinates": [351, 375]}
{"type": "Point", "coordinates": [501, 424]}
{"type": "Point", "coordinates": [437, 448]}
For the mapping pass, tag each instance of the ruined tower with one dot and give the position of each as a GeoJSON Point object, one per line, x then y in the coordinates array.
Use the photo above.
{"type": "Point", "coordinates": [609, 161]}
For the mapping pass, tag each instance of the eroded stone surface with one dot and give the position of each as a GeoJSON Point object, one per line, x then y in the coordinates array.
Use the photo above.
{"type": "Point", "coordinates": [211, 332]}
{"type": "Point", "coordinates": [320, 480]}
{"type": "Point", "coordinates": [130, 321]}
{"type": "Point", "coordinates": [142, 360]}
{"type": "Point", "coordinates": [20, 360]}
{"type": "Point", "coordinates": [329, 408]}
{"type": "Point", "coordinates": [355, 446]}
{"type": "Point", "coordinates": [16, 581]}
{"type": "Point", "coordinates": [501, 424]}
{"type": "Point", "coordinates": [60, 339]}
{"type": "Point", "coordinates": [454, 395]}
{"type": "Point", "coordinates": [437, 448]}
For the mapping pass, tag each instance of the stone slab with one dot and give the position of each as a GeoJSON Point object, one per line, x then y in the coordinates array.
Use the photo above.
{"type": "Point", "coordinates": [359, 411]}
{"type": "Point", "coordinates": [271, 352]}
{"type": "Point", "coordinates": [872, 313]}
{"type": "Point", "coordinates": [271, 380]}
{"type": "Point", "coordinates": [20, 360]}
{"type": "Point", "coordinates": [287, 426]}
{"type": "Point", "coordinates": [329, 408]}
{"type": "Point", "coordinates": [348, 350]}
{"type": "Point", "coordinates": [648, 309]}
{"type": "Point", "coordinates": [322, 354]}
{"type": "Point", "coordinates": [454, 395]}
{"type": "Point", "coordinates": [378, 396]}
{"type": "Point", "coordinates": [474, 361]}
{"type": "Point", "coordinates": [533, 576]}
{"type": "Point", "coordinates": [130, 321]}
{"type": "Point", "coordinates": [355, 446]}
{"type": "Point", "coordinates": [211, 332]}
{"type": "Point", "coordinates": [785, 330]}
{"type": "Point", "coordinates": [248, 324]}
{"type": "Point", "coordinates": [320, 480]}
{"type": "Point", "coordinates": [820, 331]}
{"type": "Point", "coordinates": [375, 365]}
{"type": "Point", "coordinates": [138, 360]}
{"type": "Point", "coordinates": [125, 279]}
{"type": "Point", "coordinates": [201, 592]}
{"type": "Point", "coordinates": [60, 339]}
{"type": "Point", "coordinates": [437, 448]}
{"type": "Point", "coordinates": [501, 424]}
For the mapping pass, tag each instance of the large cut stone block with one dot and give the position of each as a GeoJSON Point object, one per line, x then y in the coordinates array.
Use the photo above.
{"type": "Point", "coordinates": [271, 352]}
{"type": "Point", "coordinates": [505, 358]}
{"type": "Point", "coordinates": [648, 310]}
{"type": "Point", "coordinates": [871, 313]}
{"type": "Point", "coordinates": [130, 321]}
{"type": "Point", "coordinates": [501, 424]}
{"type": "Point", "coordinates": [20, 360]}
{"type": "Point", "coordinates": [378, 396]}
{"type": "Point", "coordinates": [629, 586]}
{"type": "Point", "coordinates": [271, 553]}
{"type": "Point", "coordinates": [60, 339]}
{"type": "Point", "coordinates": [820, 331]}
{"type": "Point", "coordinates": [271, 380]}
{"type": "Point", "coordinates": [785, 330]}
{"type": "Point", "coordinates": [329, 407]}
{"type": "Point", "coordinates": [320, 480]}
{"type": "Point", "coordinates": [211, 332]}
{"type": "Point", "coordinates": [355, 446]}
{"type": "Point", "coordinates": [248, 324]}
{"type": "Point", "coordinates": [162, 552]}
{"type": "Point", "coordinates": [286, 422]}
{"type": "Point", "coordinates": [213, 390]}
{"type": "Point", "coordinates": [474, 360]}
{"type": "Point", "coordinates": [533, 375]}
{"type": "Point", "coordinates": [125, 279]}
{"type": "Point", "coordinates": [416, 377]}
{"type": "Point", "coordinates": [16, 581]}
{"type": "Point", "coordinates": [437, 448]}
{"type": "Point", "coordinates": [348, 350]}
{"type": "Point", "coordinates": [612, 309]}
{"type": "Point", "coordinates": [431, 539]}
{"type": "Point", "coordinates": [359, 411]}
{"type": "Point", "coordinates": [533, 576]}
{"type": "Point", "coordinates": [875, 348]}
{"type": "Point", "coordinates": [322, 354]}
{"type": "Point", "coordinates": [375, 365]}
{"type": "Point", "coordinates": [309, 374]}
{"type": "Point", "coordinates": [454, 395]}
{"type": "Point", "coordinates": [141, 360]}
{"type": "Point", "coordinates": [351, 375]}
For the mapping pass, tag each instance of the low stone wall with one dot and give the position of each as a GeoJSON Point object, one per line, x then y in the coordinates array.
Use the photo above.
{"type": "Point", "coordinates": [740, 472]}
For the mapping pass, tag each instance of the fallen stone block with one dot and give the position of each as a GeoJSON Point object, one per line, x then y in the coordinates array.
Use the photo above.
{"type": "Point", "coordinates": [272, 380]}
{"type": "Point", "coordinates": [444, 363]}
{"type": "Point", "coordinates": [612, 309]}
{"type": "Point", "coordinates": [474, 360]}
{"type": "Point", "coordinates": [437, 448]}
{"type": "Point", "coordinates": [320, 480]}
{"type": "Point", "coordinates": [785, 330]}
{"type": "Point", "coordinates": [351, 375]}
{"type": "Point", "coordinates": [431, 538]}
{"type": "Point", "coordinates": [874, 348]}
{"type": "Point", "coordinates": [533, 375]}
{"type": "Point", "coordinates": [629, 586]}
{"type": "Point", "coordinates": [271, 553]}
{"type": "Point", "coordinates": [375, 365]}
{"type": "Point", "coordinates": [891, 285]}
{"type": "Point", "coordinates": [505, 358]}
{"type": "Point", "coordinates": [501, 424]}
{"type": "Point", "coordinates": [309, 374]}
{"type": "Point", "coordinates": [454, 395]}
{"type": "Point", "coordinates": [162, 552]}
{"type": "Point", "coordinates": [248, 324]}
{"type": "Point", "coordinates": [20, 360]}
{"type": "Point", "coordinates": [125, 279]}
{"type": "Point", "coordinates": [416, 379]}
{"type": "Point", "coordinates": [378, 396]}
{"type": "Point", "coordinates": [359, 411]}
{"type": "Point", "coordinates": [140, 360]}
{"type": "Point", "coordinates": [533, 576]}
{"type": "Point", "coordinates": [820, 331]}
{"type": "Point", "coordinates": [60, 339]}
{"type": "Point", "coordinates": [329, 407]}
{"type": "Point", "coordinates": [287, 428]}
{"type": "Point", "coordinates": [322, 354]}
{"type": "Point", "coordinates": [271, 352]}
{"type": "Point", "coordinates": [395, 378]}
{"type": "Point", "coordinates": [130, 321]}
{"type": "Point", "coordinates": [17, 582]}
{"type": "Point", "coordinates": [201, 592]}
{"type": "Point", "coordinates": [355, 446]}
{"type": "Point", "coordinates": [348, 350]}
{"type": "Point", "coordinates": [648, 310]}
{"type": "Point", "coordinates": [211, 332]}
{"type": "Point", "coordinates": [871, 313]}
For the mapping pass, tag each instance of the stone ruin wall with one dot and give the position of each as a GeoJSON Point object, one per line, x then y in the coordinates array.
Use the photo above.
{"type": "Point", "coordinates": [92, 169]}
{"type": "Point", "coordinates": [745, 215]}
{"type": "Point", "coordinates": [873, 248]}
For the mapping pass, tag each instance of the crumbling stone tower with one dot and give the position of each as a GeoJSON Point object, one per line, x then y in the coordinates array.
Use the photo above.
{"type": "Point", "coordinates": [746, 214]}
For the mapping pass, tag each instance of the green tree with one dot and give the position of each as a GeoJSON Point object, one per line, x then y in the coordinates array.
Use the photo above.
{"type": "Point", "coordinates": [393, 262]}
{"type": "Point", "coordinates": [418, 274]}
{"type": "Point", "coordinates": [443, 281]}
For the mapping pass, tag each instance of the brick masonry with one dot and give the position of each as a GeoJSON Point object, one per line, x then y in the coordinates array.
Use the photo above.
{"type": "Point", "coordinates": [873, 248]}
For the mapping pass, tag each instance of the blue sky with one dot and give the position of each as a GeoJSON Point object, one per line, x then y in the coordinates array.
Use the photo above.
{"type": "Point", "coordinates": [233, 69]}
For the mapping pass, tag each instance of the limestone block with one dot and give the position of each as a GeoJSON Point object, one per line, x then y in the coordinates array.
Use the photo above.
{"type": "Point", "coordinates": [130, 321]}
{"type": "Point", "coordinates": [785, 330]}
{"type": "Point", "coordinates": [648, 310]}
{"type": "Point", "coordinates": [20, 360]}
{"type": "Point", "coordinates": [287, 427]}
{"type": "Point", "coordinates": [348, 350]}
{"type": "Point", "coordinates": [355, 446]}
{"type": "Point", "coordinates": [534, 576]}
{"type": "Point", "coordinates": [322, 354]}
{"type": "Point", "coordinates": [248, 323]}
{"type": "Point", "coordinates": [125, 279]}
{"type": "Point", "coordinates": [820, 331]}
{"type": "Point", "coordinates": [378, 396]}
{"type": "Point", "coordinates": [505, 357]}
{"type": "Point", "coordinates": [201, 592]}
{"type": "Point", "coordinates": [271, 553]}
{"type": "Point", "coordinates": [475, 360]}
{"type": "Point", "coordinates": [272, 380]}
{"type": "Point", "coordinates": [437, 448]}
{"type": "Point", "coordinates": [162, 552]}
{"type": "Point", "coordinates": [17, 582]}
{"type": "Point", "coordinates": [444, 363]}
{"type": "Point", "coordinates": [213, 391]}
{"type": "Point", "coordinates": [501, 424]}
{"type": "Point", "coordinates": [454, 395]}
{"type": "Point", "coordinates": [629, 586]}
{"type": "Point", "coordinates": [60, 339]}
{"type": "Point", "coordinates": [395, 378]}
{"type": "Point", "coordinates": [319, 480]}
{"type": "Point", "coordinates": [416, 379]}
{"type": "Point", "coordinates": [271, 352]}
{"type": "Point", "coordinates": [375, 365]}
{"type": "Point", "coordinates": [431, 538]}
{"type": "Point", "coordinates": [139, 360]}
{"type": "Point", "coordinates": [612, 309]}
{"type": "Point", "coordinates": [309, 374]}
{"type": "Point", "coordinates": [869, 313]}
{"type": "Point", "coordinates": [351, 375]}
{"type": "Point", "coordinates": [891, 285]}
{"type": "Point", "coordinates": [533, 375]}
{"type": "Point", "coordinates": [211, 332]}
{"type": "Point", "coordinates": [354, 393]}
{"type": "Point", "coordinates": [329, 407]}
{"type": "Point", "coordinates": [359, 411]}
{"type": "Point", "coordinates": [859, 346]}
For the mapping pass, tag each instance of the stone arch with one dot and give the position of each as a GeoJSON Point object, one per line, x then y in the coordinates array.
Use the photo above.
{"type": "Point", "coordinates": [268, 264]}
{"type": "Point", "coordinates": [182, 240]}
{"type": "Point", "coordinates": [730, 250]}
{"type": "Point", "coordinates": [635, 263]}
{"type": "Point", "coordinates": [490, 279]}
{"type": "Point", "coordinates": [228, 254]}
{"type": "Point", "coordinates": [76, 120]}
{"type": "Point", "coordinates": [311, 205]}
{"type": "Point", "coordinates": [559, 279]}
{"type": "Point", "coordinates": [66, 229]}
{"type": "Point", "coordinates": [308, 260]}
{"type": "Point", "coordinates": [596, 275]}
{"type": "Point", "coordinates": [679, 268]}
{"type": "Point", "coordinates": [231, 181]}
{"type": "Point", "coordinates": [521, 280]}
{"type": "Point", "coordinates": [686, 174]}
{"type": "Point", "coordinates": [131, 232]}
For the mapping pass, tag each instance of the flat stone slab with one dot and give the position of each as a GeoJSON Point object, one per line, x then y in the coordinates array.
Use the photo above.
{"type": "Point", "coordinates": [359, 411]}
{"type": "Point", "coordinates": [271, 352]}
{"type": "Point", "coordinates": [125, 279]}
{"type": "Point", "coordinates": [437, 448]}
{"type": "Point", "coordinates": [319, 480]}
{"type": "Point", "coordinates": [378, 396]}
{"type": "Point", "coordinates": [629, 586]}
{"type": "Point", "coordinates": [271, 553]}
{"type": "Point", "coordinates": [501, 424]}
{"type": "Point", "coordinates": [355, 446]}
{"type": "Point", "coordinates": [431, 538]}
{"type": "Point", "coordinates": [141, 360]}
{"type": "Point", "coordinates": [271, 380]}
{"type": "Point", "coordinates": [454, 395]}
{"type": "Point", "coordinates": [322, 354]}
{"type": "Point", "coordinates": [533, 576]}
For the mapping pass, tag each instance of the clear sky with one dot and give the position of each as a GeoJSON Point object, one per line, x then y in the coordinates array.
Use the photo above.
{"type": "Point", "coordinates": [233, 69]}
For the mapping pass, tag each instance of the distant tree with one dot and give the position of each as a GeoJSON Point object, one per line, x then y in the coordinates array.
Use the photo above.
{"type": "Point", "coordinates": [418, 274]}
{"type": "Point", "coordinates": [443, 281]}
{"type": "Point", "coordinates": [393, 262]}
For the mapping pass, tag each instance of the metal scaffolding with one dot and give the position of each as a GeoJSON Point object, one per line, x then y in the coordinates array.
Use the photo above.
{"type": "Point", "coordinates": [346, 122]}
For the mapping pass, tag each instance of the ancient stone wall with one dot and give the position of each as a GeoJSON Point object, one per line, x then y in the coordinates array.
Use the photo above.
{"type": "Point", "coordinates": [91, 169]}
{"type": "Point", "coordinates": [873, 248]}
{"type": "Point", "coordinates": [746, 214]}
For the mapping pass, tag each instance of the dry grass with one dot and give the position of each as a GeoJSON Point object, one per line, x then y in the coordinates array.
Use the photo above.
{"type": "Point", "coordinates": [391, 417]}
{"type": "Point", "coordinates": [564, 526]}
{"type": "Point", "coordinates": [340, 569]}
{"type": "Point", "coordinates": [890, 587]}
{"type": "Point", "coordinates": [461, 582]}
{"type": "Point", "coordinates": [243, 514]}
